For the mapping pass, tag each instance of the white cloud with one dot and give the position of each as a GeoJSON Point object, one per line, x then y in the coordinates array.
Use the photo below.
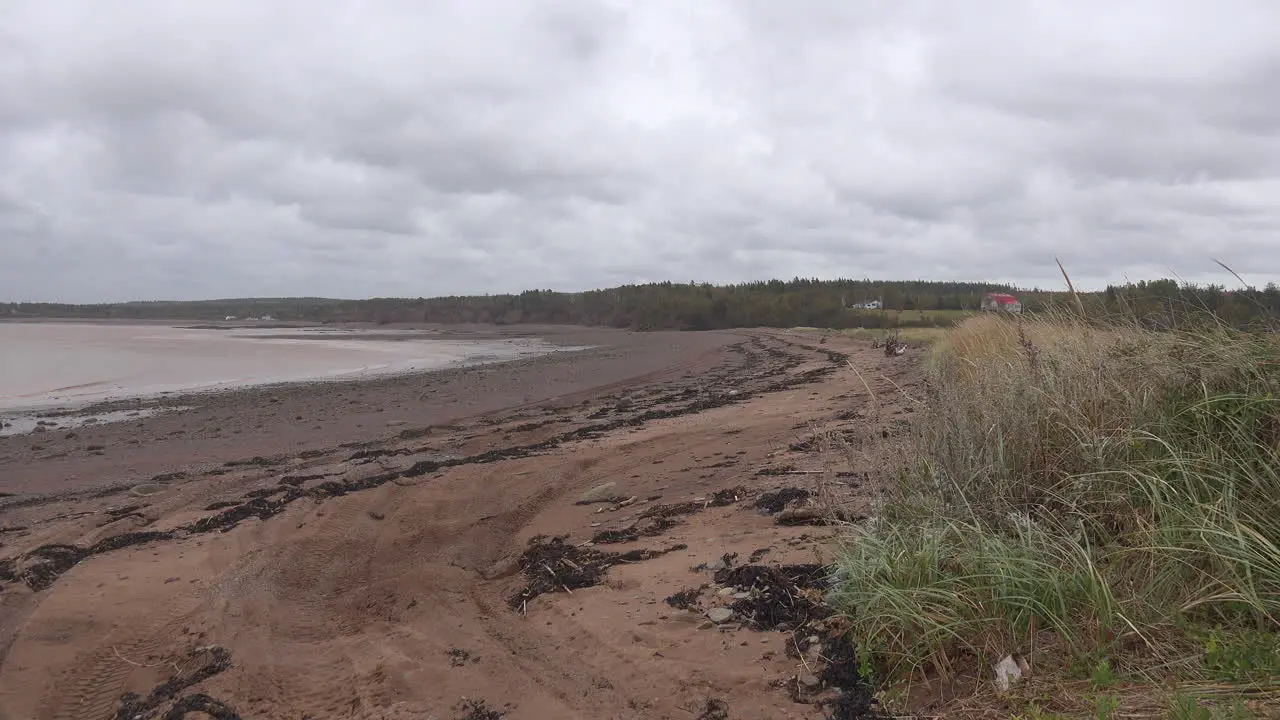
{"type": "Point", "coordinates": [151, 149]}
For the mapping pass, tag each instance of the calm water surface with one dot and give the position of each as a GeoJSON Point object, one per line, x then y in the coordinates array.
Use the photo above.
{"type": "Point", "coordinates": [55, 364]}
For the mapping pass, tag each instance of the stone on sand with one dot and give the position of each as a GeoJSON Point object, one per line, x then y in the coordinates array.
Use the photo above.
{"type": "Point", "coordinates": [720, 615]}
{"type": "Point", "coordinates": [600, 493]}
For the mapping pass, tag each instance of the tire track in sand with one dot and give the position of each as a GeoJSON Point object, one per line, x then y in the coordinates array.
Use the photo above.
{"type": "Point", "coordinates": [91, 687]}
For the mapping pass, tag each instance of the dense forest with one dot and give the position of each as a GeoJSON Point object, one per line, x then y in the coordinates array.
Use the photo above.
{"type": "Point", "coordinates": [774, 303]}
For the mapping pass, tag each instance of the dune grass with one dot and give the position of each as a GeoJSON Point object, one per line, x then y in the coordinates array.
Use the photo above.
{"type": "Point", "coordinates": [1109, 496]}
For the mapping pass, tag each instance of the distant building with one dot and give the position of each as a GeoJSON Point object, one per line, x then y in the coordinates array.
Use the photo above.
{"type": "Point", "coordinates": [1001, 302]}
{"type": "Point", "coordinates": [231, 317]}
{"type": "Point", "coordinates": [872, 305]}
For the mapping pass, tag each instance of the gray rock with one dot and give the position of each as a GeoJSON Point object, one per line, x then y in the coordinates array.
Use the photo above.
{"type": "Point", "coordinates": [717, 565]}
{"type": "Point", "coordinates": [810, 681]}
{"type": "Point", "coordinates": [600, 493]}
{"type": "Point", "coordinates": [719, 615]}
{"type": "Point", "coordinates": [727, 591]}
{"type": "Point", "coordinates": [741, 595]}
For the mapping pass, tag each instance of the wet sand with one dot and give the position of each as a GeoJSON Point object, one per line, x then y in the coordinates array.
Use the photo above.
{"type": "Point", "coordinates": [364, 549]}
{"type": "Point", "coordinates": [229, 424]}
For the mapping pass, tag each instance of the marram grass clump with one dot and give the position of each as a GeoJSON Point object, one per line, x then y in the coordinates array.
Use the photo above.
{"type": "Point", "coordinates": [1113, 491]}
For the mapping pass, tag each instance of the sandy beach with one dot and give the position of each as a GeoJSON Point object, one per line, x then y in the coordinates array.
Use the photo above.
{"type": "Point", "coordinates": [385, 548]}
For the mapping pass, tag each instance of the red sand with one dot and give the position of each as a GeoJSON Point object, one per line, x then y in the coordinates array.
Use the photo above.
{"type": "Point", "coordinates": [391, 602]}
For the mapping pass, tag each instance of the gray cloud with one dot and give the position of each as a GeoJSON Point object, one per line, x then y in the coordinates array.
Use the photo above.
{"type": "Point", "coordinates": [403, 148]}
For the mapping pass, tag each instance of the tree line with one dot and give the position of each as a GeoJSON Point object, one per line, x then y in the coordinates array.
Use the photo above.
{"type": "Point", "coordinates": [1169, 303]}
{"type": "Point", "coordinates": [701, 306]}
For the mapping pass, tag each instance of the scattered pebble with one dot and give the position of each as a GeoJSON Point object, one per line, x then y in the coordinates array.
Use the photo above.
{"type": "Point", "coordinates": [720, 615]}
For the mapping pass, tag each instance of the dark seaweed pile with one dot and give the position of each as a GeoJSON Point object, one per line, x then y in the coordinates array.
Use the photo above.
{"type": "Point", "coordinates": [686, 599]}
{"type": "Point", "coordinates": [199, 702]}
{"type": "Point", "coordinates": [715, 709]}
{"type": "Point", "coordinates": [478, 710]}
{"type": "Point", "coordinates": [44, 564]}
{"type": "Point", "coordinates": [720, 498]}
{"type": "Point", "coordinates": [135, 707]}
{"type": "Point", "coordinates": [672, 510]}
{"type": "Point", "coordinates": [47, 562]}
{"type": "Point", "coordinates": [726, 497]}
{"type": "Point", "coordinates": [607, 537]}
{"type": "Point", "coordinates": [780, 470]}
{"type": "Point", "coordinates": [778, 599]}
{"type": "Point", "coordinates": [554, 565]}
{"type": "Point", "coordinates": [786, 598]}
{"type": "Point", "coordinates": [458, 657]}
{"type": "Point", "coordinates": [772, 503]}
{"type": "Point", "coordinates": [856, 700]}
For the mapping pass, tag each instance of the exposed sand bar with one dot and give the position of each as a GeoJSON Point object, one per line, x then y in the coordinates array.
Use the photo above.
{"type": "Point", "coordinates": [64, 364]}
{"type": "Point", "coordinates": [133, 439]}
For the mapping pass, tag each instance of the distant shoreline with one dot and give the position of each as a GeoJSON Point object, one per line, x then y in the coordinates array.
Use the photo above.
{"type": "Point", "coordinates": [90, 394]}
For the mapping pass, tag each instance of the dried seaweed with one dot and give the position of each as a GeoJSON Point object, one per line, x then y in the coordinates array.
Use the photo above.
{"type": "Point", "coordinates": [774, 502]}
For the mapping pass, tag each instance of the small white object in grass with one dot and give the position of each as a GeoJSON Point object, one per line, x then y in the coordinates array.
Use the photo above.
{"type": "Point", "coordinates": [1008, 671]}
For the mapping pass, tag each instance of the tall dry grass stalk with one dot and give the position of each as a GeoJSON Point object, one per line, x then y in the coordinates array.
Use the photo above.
{"type": "Point", "coordinates": [1113, 487]}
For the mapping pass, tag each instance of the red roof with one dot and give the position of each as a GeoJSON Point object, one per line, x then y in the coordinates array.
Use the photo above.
{"type": "Point", "coordinates": [1003, 299]}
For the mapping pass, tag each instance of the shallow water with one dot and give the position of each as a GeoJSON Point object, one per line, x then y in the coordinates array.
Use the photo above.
{"type": "Point", "coordinates": [19, 423]}
{"type": "Point", "coordinates": [46, 365]}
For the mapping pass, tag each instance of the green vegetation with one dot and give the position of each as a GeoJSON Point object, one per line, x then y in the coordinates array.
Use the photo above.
{"type": "Point", "coordinates": [656, 306]}
{"type": "Point", "coordinates": [798, 302]}
{"type": "Point", "coordinates": [911, 335]}
{"type": "Point", "coordinates": [1103, 497]}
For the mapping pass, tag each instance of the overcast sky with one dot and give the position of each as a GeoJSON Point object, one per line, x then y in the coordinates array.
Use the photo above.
{"type": "Point", "coordinates": [213, 148]}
